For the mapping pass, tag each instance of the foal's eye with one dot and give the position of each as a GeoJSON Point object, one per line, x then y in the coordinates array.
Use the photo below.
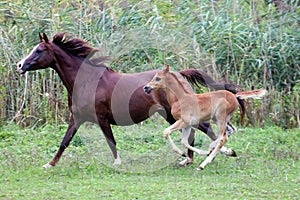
{"type": "Point", "coordinates": [157, 79]}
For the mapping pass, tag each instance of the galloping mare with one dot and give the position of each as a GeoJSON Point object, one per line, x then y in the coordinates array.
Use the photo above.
{"type": "Point", "coordinates": [190, 109]}
{"type": "Point", "coordinates": [98, 94]}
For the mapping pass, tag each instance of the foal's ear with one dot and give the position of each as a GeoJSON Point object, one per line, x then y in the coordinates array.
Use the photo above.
{"type": "Point", "coordinates": [167, 69]}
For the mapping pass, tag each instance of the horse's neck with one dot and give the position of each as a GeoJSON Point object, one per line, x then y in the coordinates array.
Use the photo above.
{"type": "Point", "coordinates": [75, 73]}
{"type": "Point", "coordinates": [176, 88]}
{"type": "Point", "coordinates": [65, 68]}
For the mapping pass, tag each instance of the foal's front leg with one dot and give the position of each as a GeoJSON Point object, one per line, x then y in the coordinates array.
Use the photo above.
{"type": "Point", "coordinates": [179, 124]}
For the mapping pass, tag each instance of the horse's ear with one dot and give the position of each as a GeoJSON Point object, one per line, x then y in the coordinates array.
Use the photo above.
{"type": "Point", "coordinates": [45, 37]}
{"type": "Point", "coordinates": [41, 37]}
{"type": "Point", "coordinates": [167, 69]}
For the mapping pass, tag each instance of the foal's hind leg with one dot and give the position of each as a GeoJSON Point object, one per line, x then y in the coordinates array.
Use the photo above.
{"type": "Point", "coordinates": [206, 128]}
{"type": "Point", "coordinates": [220, 143]}
{"type": "Point", "coordinates": [185, 142]}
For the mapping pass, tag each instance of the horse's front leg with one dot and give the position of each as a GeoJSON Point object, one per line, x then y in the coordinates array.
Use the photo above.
{"type": "Point", "coordinates": [71, 131]}
{"type": "Point", "coordinates": [179, 124]}
{"type": "Point", "coordinates": [106, 128]}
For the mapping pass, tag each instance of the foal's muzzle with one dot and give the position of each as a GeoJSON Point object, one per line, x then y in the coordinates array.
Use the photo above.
{"type": "Point", "coordinates": [148, 89]}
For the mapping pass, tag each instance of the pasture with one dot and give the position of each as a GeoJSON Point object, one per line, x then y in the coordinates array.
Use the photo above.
{"type": "Point", "coordinates": [267, 166]}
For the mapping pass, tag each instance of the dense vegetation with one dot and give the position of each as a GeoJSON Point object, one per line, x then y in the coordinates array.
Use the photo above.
{"type": "Point", "coordinates": [252, 43]}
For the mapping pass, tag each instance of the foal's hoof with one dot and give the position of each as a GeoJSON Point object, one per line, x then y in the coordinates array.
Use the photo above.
{"type": "Point", "coordinates": [185, 162]}
{"type": "Point", "coordinates": [233, 154]}
{"type": "Point", "coordinates": [46, 166]}
{"type": "Point", "coordinates": [200, 168]}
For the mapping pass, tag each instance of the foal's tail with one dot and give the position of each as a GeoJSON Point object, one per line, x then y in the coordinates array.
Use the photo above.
{"type": "Point", "coordinates": [197, 77]}
{"type": "Point", "coordinates": [253, 94]}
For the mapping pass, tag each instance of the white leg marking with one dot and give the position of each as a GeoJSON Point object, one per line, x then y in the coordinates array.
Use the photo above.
{"type": "Point", "coordinates": [117, 160]}
{"type": "Point", "coordinates": [226, 151]}
{"type": "Point", "coordinates": [230, 129]}
{"type": "Point", "coordinates": [46, 166]}
{"type": "Point", "coordinates": [185, 162]}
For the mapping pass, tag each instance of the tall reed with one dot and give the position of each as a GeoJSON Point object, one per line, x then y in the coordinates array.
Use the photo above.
{"type": "Point", "coordinates": [251, 43]}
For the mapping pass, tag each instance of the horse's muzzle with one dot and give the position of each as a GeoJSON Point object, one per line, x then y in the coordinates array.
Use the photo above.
{"type": "Point", "coordinates": [20, 68]}
{"type": "Point", "coordinates": [147, 89]}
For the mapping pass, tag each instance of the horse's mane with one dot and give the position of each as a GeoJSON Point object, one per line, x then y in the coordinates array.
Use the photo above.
{"type": "Point", "coordinates": [182, 81]}
{"type": "Point", "coordinates": [79, 48]}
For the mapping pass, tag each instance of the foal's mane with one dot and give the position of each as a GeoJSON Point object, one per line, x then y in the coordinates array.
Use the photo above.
{"type": "Point", "coordinates": [79, 48]}
{"type": "Point", "coordinates": [183, 82]}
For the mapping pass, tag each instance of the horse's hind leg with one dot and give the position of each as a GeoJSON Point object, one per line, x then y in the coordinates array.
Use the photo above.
{"type": "Point", "coordinates": [230, 129]}
{"type": "Point", "coordinates": [72, 129]}
{"type": "Point", "coordinates": [190, 154]}
{"type": "Point", "coordinates": [106, 128]}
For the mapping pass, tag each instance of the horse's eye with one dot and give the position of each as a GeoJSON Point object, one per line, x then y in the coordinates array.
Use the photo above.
{"type": "Point", "coordinates": [157, 79]}
{"type": "Point", "coordinates": [38, 51]}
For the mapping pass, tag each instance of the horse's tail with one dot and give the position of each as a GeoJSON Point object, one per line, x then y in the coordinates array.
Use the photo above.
{"type": "Point", "coordinates": [197, 77]}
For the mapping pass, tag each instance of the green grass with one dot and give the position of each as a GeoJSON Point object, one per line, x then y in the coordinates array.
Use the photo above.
{"type": "Point", "coordinates": [267, 166]}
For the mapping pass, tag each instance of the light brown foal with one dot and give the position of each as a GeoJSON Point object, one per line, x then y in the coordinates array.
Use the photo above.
{"type": "Point", "coordinates": [189, 109]}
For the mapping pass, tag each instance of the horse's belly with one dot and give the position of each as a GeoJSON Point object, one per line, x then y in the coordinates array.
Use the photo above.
{"type": "Point", "coordinates": [124, 115]}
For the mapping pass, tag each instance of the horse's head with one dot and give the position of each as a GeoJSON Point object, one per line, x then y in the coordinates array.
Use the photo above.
{"type": "Point", "coordinates": [40, 57]}
{"type": "Point", "coordinates": [158, 81]}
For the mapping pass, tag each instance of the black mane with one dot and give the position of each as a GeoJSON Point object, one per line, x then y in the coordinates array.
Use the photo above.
{"type": "Point", "coordinates": [79, 48]}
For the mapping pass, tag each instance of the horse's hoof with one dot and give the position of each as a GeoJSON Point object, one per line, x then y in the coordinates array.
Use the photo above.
{"type": "Point", "coordinates": [117, 162]}
{"type": "Point", "coordinates": [200, 168]}
{"type": "Point", "coordinates": [46, 166]}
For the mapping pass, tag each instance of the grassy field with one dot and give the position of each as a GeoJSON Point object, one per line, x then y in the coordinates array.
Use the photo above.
{"type": "Point", "coordinates": [267, 166]}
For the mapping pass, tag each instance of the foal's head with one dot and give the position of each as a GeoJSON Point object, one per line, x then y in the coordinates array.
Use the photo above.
{"type": "Point", "coordinates": [40, 57]}
{"type": "Point", "coordinates": [158, 81]}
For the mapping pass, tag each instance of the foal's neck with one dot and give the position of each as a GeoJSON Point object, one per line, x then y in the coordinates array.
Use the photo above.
{"type": "Point", "coordinates": [177, 87]}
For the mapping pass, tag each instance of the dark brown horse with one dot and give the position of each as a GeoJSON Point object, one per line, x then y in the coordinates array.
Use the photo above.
{"type": "Point", "coordinates": [100, 95]}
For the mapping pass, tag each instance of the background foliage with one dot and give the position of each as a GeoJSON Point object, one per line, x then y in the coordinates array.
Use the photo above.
{"type": "Point", "coordinates": [252, 43]}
